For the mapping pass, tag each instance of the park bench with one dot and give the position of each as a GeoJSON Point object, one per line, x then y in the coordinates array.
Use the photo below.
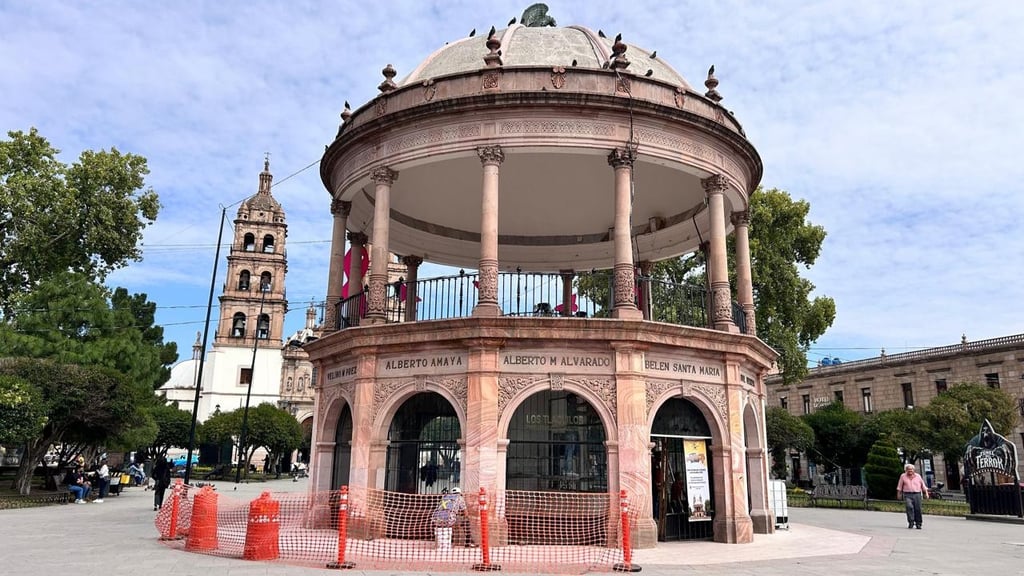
{"type": "Point", "coordinates": [839, 494]}
{"type": "Point", "coordinates": [114, 489]}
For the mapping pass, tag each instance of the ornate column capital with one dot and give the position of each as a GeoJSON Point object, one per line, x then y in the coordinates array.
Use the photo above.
{"type": "Point", "coordinates": [741, 218]}
{"type": "Point", "coordinates": [358, 238]}
{"type": "Point", "coordinates": [383, 175]}
{"type": "Point", "coordinates": [491, 155]}
{"type": "Point", "coordinates": [716, 184]}
{"type": "Point", "coordinates": [621, 158]}
{"type": "Point", "coordinates": [646, 267]}
{"type": "Point", "coordinates": [412, 261]}
{"type": "Point", "coordinates": [340, 207]}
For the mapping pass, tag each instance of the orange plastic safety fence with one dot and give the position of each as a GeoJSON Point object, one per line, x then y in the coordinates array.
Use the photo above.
{"type": "Point", "coordinates": [527, 531]}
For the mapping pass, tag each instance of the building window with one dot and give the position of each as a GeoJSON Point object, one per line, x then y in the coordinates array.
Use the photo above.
{"type": "Point", "coordinates": [992, 380]}
{"type": "Point", "coordinates": [784, 403]}
{"type": "Point", "coordinates": [243, 280]}
{"type": "Point", "coordinates": [268, 243]}
{"type": "Point", "coordinates": [865, 396]}
{"type": "Point", "coordinates": [837, 396]}
{"type": "Point", "coordinates": [249, 243]}
{"type": "Point", "coordinates": [908, 395]}
{"type": "Point", "coordinates": [806, 400]}
{"type": "Point", "coordinates": [940, 386]}
{"type": "Point", "coordinates": [238, 325]}
{"type": "Point", "coordinates": [245, 377]}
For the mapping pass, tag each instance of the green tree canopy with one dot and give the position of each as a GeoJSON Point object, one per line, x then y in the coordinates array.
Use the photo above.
{"type": "Point", "coordinates": [22, 414]}
{"type": "Point", "coordinates": [84, 217]}
{"type": "Point", "coordinates": [269, 427]}
{"type": "Point", "coordinates": [883, 469]}
{"type": "Point", "coordinates": [785, 432]}
{"type": "Point", "coordinates": [955, 416]}
{"type": "Point", "coordinates": [172, 428]}
{"type": "Point", "coordinates": [908, 430]}
{"type": "Point", "coordinates": [838, 440]}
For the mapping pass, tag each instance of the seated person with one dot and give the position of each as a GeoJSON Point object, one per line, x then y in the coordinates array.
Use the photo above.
{"type": "Point", "coordinates": [137, 473]}
{"type": "Point", "coordinates": [75, 481]}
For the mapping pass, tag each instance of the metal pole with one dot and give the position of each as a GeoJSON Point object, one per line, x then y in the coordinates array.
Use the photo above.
{"type": "Point", "coordinates": [202, 354]}
{"type": "Point", "coordinates": [252, 377]}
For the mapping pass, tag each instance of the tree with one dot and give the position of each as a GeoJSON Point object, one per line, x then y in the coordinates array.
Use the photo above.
{"type": "Point", "coordinates": [69, 318]}
{"type": "Point", "coordinates": [955, 416]}
{"type": "Point", "coordinates": [785, 432]}
{"type": "Point", "coordinates": [269, 427]}
{"type": "Point", "coordinates": [838, 441]}
{"type": "Point", "coordinates": [883, 469]}
{"type": "Point", "coordinates": [21, 411]}
{"type": "Point", "coordinates": [908, 430]}
{"type": "Point", "coordinates": [172, 429]}
{"type": "Point", "coordinates": [81, 403]}
{"type": "Point", "coordinates": [781, 241]}
{"type": "Point", "coordinates": [86, 217]}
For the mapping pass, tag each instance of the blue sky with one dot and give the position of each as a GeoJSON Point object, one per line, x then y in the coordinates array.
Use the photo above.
{"type": "Point", "coordinates": [900, 123]}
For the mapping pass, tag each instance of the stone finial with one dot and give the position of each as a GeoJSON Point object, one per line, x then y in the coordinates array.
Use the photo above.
{"type": "Point", "coordinates": [388, 84]}
{"type": "Point", "coordinates": [618, 60]}
{"type": "Point", "coordinates": [493, 59]}
{"type": "Point", "coordinates": [346, 114]}
{"type": "Point", "coordinates": [712, 84]}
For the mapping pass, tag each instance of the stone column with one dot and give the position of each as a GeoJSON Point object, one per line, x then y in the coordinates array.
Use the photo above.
{"type": "Point", "coordinates": [621, 160]}
{"type": "Point", "coordinates": [567, 276]}
{"type": "Point", "coordinates": [744, 279]}
{"type": "Point", "coordinates": [634, 456]}
{"type": "Point", "coordinates": [721, 310]}
{"type": "Point", "coordinates": [480, 452]}
{"type": "Point", "coordinates": [645, 288]}
{"type": "Point", "coordinates": [487, 298]}
{"type": "Point", "coordinates": [362, 475]}
{"type": "Point", "coordinates": [357, 240]}
{"type": "Point", "coordinates": [412, 265]}
{"type": "Point", "coordinates": [336, 270]}
{"type": "Point", "coordinates": [376, 300]}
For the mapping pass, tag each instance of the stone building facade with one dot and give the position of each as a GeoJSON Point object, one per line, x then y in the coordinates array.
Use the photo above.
{"type": "Point", "coordinates": [906, 381]}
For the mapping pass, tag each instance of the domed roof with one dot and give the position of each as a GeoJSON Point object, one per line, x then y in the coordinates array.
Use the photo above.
{"type": "Point", "coordinates": [540, 47]}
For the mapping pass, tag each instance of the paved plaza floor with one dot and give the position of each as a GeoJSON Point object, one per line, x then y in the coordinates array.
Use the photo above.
{"type": "Point", "coordinates": [118, 537]}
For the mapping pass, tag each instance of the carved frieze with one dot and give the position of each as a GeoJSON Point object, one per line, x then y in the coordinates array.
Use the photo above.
{"type": "Point", "coordinates": [656, 388]}
{"type": "Point", "coordinates": [490, 80]}
{"type": "Point", "coordinates": [376, 300]}
{"type": "Point", "coordinates": [459, 389]}
{"type": "Point", "coordinates": [603, 388]}
{"type": "Point", "coordinates": [488, 281]}
{"type": "Point", "coordinates": [680, 97]}
{"type": "Point", "coordinates": [579, 127]}
{"type": "Point", "coordinates": [429, 90]}
{"type": "Point", "coordinates": [508, 387]}
{"type": "Point", "coordinates": [624, 288]}
{"type": "Point", "coordinates": [383, 390]}
{"type": "Point", "coordinates": [557, 382]}
{"type": "Point", "coordinates": [558, 77]}
{"type": "Point", "coordinates": [432, 137]}
{"type": "Point", "coordinates": [715, 395]}
{"type": "Point", "coordinates": [722, 304]}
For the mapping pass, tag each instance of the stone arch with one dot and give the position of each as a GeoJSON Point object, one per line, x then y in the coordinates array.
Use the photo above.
{"type": "Point", "coordinates": [757, 472]}
{"type": "Point", "coordinates": [386, 411]}
{"type": "Point", "coordinates": [608, 418]}
{"type": "Point", "coordinates": [716, 421]}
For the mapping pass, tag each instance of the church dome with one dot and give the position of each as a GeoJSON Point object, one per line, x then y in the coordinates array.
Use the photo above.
{"type": "Point", "coordinates": [545, 47]}
{"type": "Point", "coordinates": [263, 202]}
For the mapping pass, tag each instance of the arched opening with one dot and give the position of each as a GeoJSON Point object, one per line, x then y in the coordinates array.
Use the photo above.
{"type": "Point", "coordinates": [249, 243]}
{"type": "Point", "coordinates": [268, 243]}
{"type": "Point", "coordinates": [243, 280]}
{"type": "Point", "coordinates": [681, 472]}
{"type": "Point", "coordinates": [238, 325]}
{"type": "Point", "coordinates": [263, 327]}
{"type": "Point", "coordinates": [556, 444]}
{"type": "Point", "coordinates": [423, 455]}
{"type": "Point", "coordinates": [265, 281]}
{"type": "Point", "coordinates": [342, 448]}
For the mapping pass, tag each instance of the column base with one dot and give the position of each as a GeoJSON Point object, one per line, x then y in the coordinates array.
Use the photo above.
{"type": "Point", "coordinates": [727, 327]}
{"type": "Point", "coordinates": [487, 311]}
{"type": "Point", "coordinates": [734, 530]}
{"type": "Point", "coordinates": [372, 320]}
{"type": "Point", "coordinates": [644, 533]}
{"type": "Point", "coordinates": [627, 314]}
{"type": "Point", "coordinates": [763, 521]}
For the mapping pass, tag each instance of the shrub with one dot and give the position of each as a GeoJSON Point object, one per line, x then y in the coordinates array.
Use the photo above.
{"type": "Point", "coordinates": [883, 470]}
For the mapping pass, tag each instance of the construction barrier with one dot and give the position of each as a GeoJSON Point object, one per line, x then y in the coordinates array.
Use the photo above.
{"type": "Point", "coordinates": [627, 545]}
{"type": "Point", "coordinates": [202, 534]}
{"type": "Point", "coordinates": [262, 533]}
{"type": "Point", "coordinates": [513, 531]}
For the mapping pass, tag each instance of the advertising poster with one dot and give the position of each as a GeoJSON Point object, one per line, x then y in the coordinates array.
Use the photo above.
{"type": "Point", "coordinates": [698, 490]}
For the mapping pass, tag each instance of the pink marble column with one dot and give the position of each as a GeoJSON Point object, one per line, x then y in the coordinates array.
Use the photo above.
{"type": "Point", "coordinates": [567, 276]}
{"type": "Point", "coordinates": [646, 268]}
{"type": "Point", "coordinates": [487, 298]}
{"type": "Point", "coordinates": [480, 451]}
{"type": "Point", "coordinates": [340, 210]}
{"type": "Point", "coordinates": [634, 455]}
{"type": "Point", "coordinates": [732, 517]}
{"type": "Point", "coordinates": [362, 470]}
{"type": "Point", "coordinates": [744, 279]}
{"type": "Point", "coordinates": [357, 240]}
{"type": "Point", "coordinates": [624, 287]}
{"type": "Point", "coordinates": [412, 265]}
{"type": "Point", "coordinates": [376, 301]}
{"type": "Point", "coordinates": [721, 310]}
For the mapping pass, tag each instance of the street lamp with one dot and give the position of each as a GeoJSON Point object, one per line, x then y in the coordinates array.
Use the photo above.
{"type": "Point", "coordinates": [264, 288]}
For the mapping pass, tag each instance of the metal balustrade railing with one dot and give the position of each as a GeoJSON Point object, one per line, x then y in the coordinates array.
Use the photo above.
{"type": "Point", "coordinates": [535, 295]}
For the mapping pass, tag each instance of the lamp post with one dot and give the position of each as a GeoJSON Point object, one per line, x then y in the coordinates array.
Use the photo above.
{"type": "Point", "coordinates": [264, 288]}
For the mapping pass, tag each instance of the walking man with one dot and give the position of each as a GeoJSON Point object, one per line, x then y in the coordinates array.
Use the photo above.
{"type": "Point", "coordinates": [911, 488]}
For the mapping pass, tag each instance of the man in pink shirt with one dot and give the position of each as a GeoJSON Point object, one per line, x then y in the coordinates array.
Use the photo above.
{"type": "Point", "coordinates": [911, 488]}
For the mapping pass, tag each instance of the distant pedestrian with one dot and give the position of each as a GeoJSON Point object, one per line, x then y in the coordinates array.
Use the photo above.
{"type": "Point", "coordinates": [911, 489]}
{"type": "Point", "coordinates": [162, 479]}
{"type": "Point", "coordinates": [103, 479]}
